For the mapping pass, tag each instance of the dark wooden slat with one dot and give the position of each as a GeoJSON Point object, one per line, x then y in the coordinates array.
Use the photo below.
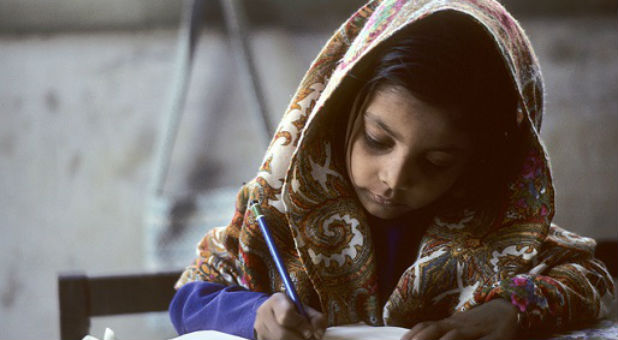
{"type": "Point", "coordinates": [607, 251]}
{"type": "Point", "coordinates": [131, 293]}
{"type": "Point", "coordinates": [81, 297]}
{"type": "Point", "coordinates": [73, 300]}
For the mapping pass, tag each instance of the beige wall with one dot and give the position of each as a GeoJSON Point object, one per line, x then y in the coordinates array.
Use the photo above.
{"type": "Point", "coordinates": [45, 15]}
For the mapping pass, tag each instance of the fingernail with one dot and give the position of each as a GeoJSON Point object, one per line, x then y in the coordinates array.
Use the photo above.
{"type": "Point", "coordinates": [307, 334]}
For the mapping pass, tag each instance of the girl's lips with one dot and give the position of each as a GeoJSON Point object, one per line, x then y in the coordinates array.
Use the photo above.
{"type": "Point", "coordinates": [383, 200]}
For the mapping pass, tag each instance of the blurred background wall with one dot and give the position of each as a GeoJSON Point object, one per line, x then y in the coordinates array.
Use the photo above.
{"type": "Point", "coordinates": [83, 86]}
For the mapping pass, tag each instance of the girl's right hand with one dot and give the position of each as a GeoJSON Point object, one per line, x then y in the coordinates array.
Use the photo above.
{"type": "Point", "coordinates": [277, 318]}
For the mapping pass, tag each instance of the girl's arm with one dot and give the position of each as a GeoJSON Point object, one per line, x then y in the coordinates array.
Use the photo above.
{"type": "Point", "coordinates": [567, 288]}
{"type": "Point", "coordinates": [203, 305]}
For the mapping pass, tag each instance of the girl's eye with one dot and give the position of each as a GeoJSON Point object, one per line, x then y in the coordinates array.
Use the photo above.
{"type": "Point", "coordinates": [374, 143]}
{"type": "Point", "coordinates": [437, 165]}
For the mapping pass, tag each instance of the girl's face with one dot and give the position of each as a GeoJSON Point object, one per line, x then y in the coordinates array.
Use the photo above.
{"type": "Point", "coordinates": [404, 153]}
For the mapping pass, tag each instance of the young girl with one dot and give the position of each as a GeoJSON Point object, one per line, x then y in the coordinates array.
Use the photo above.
{"type": "Point", "coordinates": [406, 185]}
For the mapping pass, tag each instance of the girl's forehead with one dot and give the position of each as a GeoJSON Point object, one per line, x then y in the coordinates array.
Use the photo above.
{"type": "Point", "coordinates": [398, 113]}
{"type": "Point", "coordinates": [398, 95]}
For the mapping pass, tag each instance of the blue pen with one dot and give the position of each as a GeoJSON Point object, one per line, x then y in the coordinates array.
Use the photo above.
{"type": "Point", "coordinates": [289, 287]}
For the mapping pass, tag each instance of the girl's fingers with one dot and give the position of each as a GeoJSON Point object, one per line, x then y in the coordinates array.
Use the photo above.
{"type": "Point", "coordinates": [453, 334]}
{"type": "Point", "coordinates": [285, 311]}
{"type": "Point", "coordinates": [487, 337]}
{"type": "Point", "coordinates": [433, 331]}
{"type": "Point", "coordinates": [264, 328]}
{"type": "Point", "coordinates": [274, 330]}
{"type": "Point", "coordinates": [447, 329]}
{"type": "Point", "coordinates": [288, 317]}
{"type": "Point", "coordinates": [269, 326]}
{"type": "Point", "coordinates": [264, 332]}
{"type": "Point", "coordinates": [414, 330]}
{"type": "Point", "coordinates": [318, 322]}
{"type": "Point", "coordinates": [493, 336]}
{"type": "Point", "coordinates": [264, 317]}
{"type": "Point", "coordinates": [286, 333]}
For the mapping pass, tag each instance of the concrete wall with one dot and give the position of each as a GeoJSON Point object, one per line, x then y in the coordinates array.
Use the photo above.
{"type": "Point", "coordinates": [70, 15]}
{"type": "Point", "coordinates": [79, 113]}
{"type": "Point", "coordinates": [63, 15]}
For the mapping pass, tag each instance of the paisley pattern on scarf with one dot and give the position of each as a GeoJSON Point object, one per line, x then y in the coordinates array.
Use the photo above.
{"type": "Point", "coordinates": [467, 257]}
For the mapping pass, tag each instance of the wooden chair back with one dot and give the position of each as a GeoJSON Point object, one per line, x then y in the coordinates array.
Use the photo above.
{"type": "Point", "coordinates": [82, 297]}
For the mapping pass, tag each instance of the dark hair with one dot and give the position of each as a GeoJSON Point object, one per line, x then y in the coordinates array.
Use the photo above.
{"type": "Point", "coordinates": [449, 61]}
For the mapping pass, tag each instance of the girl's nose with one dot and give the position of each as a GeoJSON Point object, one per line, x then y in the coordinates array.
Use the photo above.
{"type": "Point", "coordinates": [397, 174]}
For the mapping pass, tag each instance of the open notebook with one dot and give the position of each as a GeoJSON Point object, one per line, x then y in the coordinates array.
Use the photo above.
{"type": "Point", "coordinates": [348, 332]}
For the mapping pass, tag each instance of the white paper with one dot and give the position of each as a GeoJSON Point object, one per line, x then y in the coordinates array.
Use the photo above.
{"type": "Point", "coordinates": [208, 335]}
{"type": "Point", "coordinates": [347, 332]}
{"type": "Point", "coordinates": [363, 332]}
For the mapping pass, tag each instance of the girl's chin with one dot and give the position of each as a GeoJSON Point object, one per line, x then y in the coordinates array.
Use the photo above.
{"type": "Point", "coordinates": [385, 213]}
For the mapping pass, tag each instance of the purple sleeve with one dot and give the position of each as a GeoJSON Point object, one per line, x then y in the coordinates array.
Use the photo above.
{"type": "Point", "coordinates": [211, 306]}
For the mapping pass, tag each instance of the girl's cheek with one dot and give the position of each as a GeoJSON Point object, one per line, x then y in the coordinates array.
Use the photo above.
{"type": "Point", "coordinates": [363, 166]}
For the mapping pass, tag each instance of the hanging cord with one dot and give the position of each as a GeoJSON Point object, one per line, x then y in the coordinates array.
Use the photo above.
{"type": "Point", "coordinates": [235, 21]}
{"type": "Point", "coordinates": [192, 11]}
{"type": "Point", "coordinates": [187, 40]}
{"type": "Point", "coordinates": [161, 217]}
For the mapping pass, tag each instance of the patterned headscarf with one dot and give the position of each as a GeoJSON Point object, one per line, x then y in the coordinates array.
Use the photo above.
{"type": "Point", "coordinates": [319, 225]}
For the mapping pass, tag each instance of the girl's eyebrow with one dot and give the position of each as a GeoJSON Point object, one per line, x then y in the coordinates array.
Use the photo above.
{"type": "Point", "coordinates": [451, 148]}
{"type": "Point", "coordinates": [381, 124]}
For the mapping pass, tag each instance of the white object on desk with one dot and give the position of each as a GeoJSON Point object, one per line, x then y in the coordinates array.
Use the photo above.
{"type": "Point", "coordinates": [108, 335]}
{"type": "Point", "coordinates": [362, 331]}
{"type": "Point", "coordinates": [359, 331]}
{"type": "Point", "coordinates": [208, 335]}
